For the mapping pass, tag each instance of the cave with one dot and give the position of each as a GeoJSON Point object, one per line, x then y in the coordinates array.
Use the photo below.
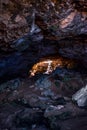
{"type": "Point", "coordinates": [43, 65]}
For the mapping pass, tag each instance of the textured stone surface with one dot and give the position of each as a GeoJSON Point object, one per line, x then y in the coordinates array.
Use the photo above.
{"type": "Point", "coordinates": [81, 97]}
{"type": "Point", "coordinates": [43, 102]}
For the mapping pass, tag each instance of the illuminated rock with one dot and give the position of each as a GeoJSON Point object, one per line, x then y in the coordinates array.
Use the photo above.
{"type": "Point", "coordinates": [47, 65]}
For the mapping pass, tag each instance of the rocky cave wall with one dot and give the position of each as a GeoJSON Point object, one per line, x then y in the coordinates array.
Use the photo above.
{"type": "Point", "coordinates": [63, 18]}
{"type": "Point", "coordinates": [61, 21]}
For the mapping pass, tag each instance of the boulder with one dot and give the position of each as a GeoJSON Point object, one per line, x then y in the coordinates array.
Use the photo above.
{"type": "Point", "coordinates": [80, 97]}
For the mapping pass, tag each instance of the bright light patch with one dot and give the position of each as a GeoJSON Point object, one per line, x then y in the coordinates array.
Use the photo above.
{"type": "Point", "coordinates": [46, 66]}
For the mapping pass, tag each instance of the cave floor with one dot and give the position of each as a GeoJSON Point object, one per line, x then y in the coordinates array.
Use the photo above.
{"type": "Point", "coordinates": [43, 102]}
